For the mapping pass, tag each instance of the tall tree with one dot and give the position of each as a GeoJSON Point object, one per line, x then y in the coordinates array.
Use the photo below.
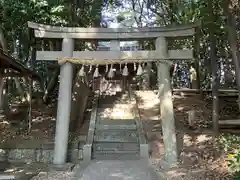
{"type": "Point", "coordinates": [232, 38]}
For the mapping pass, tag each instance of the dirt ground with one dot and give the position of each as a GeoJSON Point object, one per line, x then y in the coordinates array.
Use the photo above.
{"type": "Point", "coordinates": [14, 127]}
{"type": "Point", "coordinates": [199, 152]}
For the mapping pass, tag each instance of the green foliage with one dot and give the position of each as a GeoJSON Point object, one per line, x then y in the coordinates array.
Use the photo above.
{"type": "Point", "coordinates": [14, 15]}
{"type": "Point", "coordinates": [229, 143]}
{"type": "Point", "coordinates": [234, 162]}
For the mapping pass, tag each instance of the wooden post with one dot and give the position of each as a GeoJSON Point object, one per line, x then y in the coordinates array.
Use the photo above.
{"type": "Point", "coordinates": [166, 106]}
{"type": "Point", "coordinates": [64, 106]}
{"type": "Point", "coordinates": [191, 118]}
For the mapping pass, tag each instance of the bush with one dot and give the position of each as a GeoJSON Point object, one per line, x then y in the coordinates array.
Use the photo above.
{"type": "Point", "coordinates": [231, 145]}
{"type": "Point", "coordinates": [234, 162]}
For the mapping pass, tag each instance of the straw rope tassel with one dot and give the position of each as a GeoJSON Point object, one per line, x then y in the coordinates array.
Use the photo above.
{"type": "Point", "coordinates": [125, 70]}
{"type": "Point", "coordinates": [81, 72]}
{"type": "Point", "coordinates": [106, 70]}
{"type": "Point", "coordinates": [96, 72]}
{"type": "Point", "coordinates": [134, 66]}
{"type": "Point", "coordinates": [90, 69]}
{"type": "Point", "coordinates": [139, 70]}
{"type": "Point", "coordinates": [111, 72]}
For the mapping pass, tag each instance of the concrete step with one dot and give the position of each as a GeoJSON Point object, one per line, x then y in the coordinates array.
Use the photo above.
{"type": "Point", "coordinates": [115, 139]}
{"type": "Point", "coordinates": [116, 146]}
{"type": "Point", "coordinates": [129, 133]}
{"type": "Point", "coordinates": [115, 156]}
{"type": "Point", "coordinates": [115, 127]}
{"type": "Point", "coordinates": [117, 122]}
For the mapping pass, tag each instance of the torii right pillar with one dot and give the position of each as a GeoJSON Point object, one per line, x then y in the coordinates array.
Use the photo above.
{"type": "Point", "coordinates": [166, 106]}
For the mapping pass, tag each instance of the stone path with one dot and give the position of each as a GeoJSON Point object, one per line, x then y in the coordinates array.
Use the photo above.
{"type": "Point", "coordinates": [118, 170]}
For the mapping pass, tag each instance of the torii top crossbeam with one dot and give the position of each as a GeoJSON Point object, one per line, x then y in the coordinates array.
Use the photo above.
{"type": "Point", "coordinates": [114, 35]}
{"type": "Point", "coordinates": [46, 31]}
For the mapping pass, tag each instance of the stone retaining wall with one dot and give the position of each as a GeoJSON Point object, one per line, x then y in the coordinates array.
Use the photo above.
{"type": "Point", "coordinates": [37, 151]}
{"type": "Point", "coordinates": [40, 155]}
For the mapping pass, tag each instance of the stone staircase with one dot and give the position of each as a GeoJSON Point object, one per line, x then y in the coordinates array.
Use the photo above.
{"type": "Point", "coordinates": [116, 135]}
{"type": "Point", "coordinates": [116, 139]}
{"type": "Point", "coordinates": [115, 131]}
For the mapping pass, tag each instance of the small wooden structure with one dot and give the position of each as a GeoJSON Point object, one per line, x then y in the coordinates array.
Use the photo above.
{"type": "Point", "coordinates": [16, 69]}
{"type": "Point", "coordinates": [162, 56]}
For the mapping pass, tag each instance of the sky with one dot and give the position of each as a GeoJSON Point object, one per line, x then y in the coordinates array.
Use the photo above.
{"type": "Point", "coordinates": [110, 18]}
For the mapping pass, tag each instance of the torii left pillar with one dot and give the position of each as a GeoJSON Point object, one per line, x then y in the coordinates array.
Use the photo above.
{"type": "Point", "coordinates": [166, 106]}
{"type": "Point", "coordinates": [64, 105]}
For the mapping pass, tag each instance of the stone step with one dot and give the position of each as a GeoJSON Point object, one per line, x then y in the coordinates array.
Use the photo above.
{"type": "Point", "coordinates": [106, 99]}
{"type": "Point", "coordinates": [115, 127]}
{"type": "Point", "coordinates": [116, 122]}
{"type": "Point", "coordinates": [114, 152]}
{"type": "Point", "coordinates": [116, 146]}
{"type": "Point", "coordinates": [115, 156]}
{"type": "Point", "coordinates": [130, 133]}
{"type": "Point", "coordinates": [115, 139]}
{"type": "Point", "coordinates": [110, 117]}
{"type": "Point", "coordinates": [115, 104]}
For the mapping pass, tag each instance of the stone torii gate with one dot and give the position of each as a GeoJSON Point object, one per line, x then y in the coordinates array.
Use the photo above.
{"type": "Point", "coordinates": [161, 55]}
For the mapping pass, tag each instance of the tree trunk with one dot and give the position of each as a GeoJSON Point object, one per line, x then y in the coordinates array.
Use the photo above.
{"type": "Point", "coordinates": [232, 38]}
{"type": "Point", "coordinates": [30, 105]}
{"type": "Point", "coordinates": [214, 65]}
{"type": "Point", "coordinates": [3, 40]}
{"type": "Point", "coordinates": [215, 84]}
{"type": "Point", "coordinates": [1, 92]}
{"type": "Point", "coordinates": [51, 85]}
{"type": "Point", "coordinates": [3, 95]}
